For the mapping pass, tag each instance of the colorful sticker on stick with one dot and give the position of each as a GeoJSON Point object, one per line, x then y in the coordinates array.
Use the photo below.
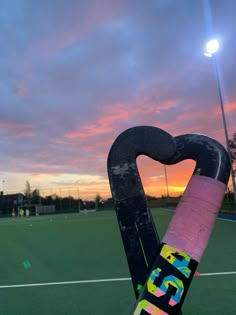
{"type": "Point", "coordinates": [179, 259]}
{"type": "Point", "coordinates": [167, 282]}
{"type": "Point", "coordinates": [149, 308]}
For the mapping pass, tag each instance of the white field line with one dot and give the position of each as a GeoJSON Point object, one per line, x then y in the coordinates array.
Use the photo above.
{"type": "Point", "coordinates": [229, 220]}
{"type": "Point", "coordinates": [62, 283]}
{"type": "Point", "coordinates": [96, 281]}
{"type": "Point", "coordinates": [218, 273]}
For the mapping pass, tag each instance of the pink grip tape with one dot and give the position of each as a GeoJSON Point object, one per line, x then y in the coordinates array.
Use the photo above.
{"type": "Point", "coordinates": [193, 221]}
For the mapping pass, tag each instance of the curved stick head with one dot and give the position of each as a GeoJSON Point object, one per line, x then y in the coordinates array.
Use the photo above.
{"type": "Point", "coordinates": [140, 239]}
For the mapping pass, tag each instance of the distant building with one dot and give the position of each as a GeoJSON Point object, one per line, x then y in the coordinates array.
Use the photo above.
{"type": "Point", "coordinates": [10, 201]}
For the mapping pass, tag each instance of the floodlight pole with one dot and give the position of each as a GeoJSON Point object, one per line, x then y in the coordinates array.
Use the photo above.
{"type": "Point", "coordinates": [219, 87]}
{"type": "Point", "coordinates": [167, 188]}
{"type": "Point", "coordinates": [3, 182]}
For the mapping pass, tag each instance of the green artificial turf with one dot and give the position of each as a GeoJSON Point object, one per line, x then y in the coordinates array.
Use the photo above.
{"type": "Point", "coordinates": [79, 247]}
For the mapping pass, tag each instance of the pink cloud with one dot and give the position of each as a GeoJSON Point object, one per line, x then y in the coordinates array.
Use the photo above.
{"type": "Point", "coordinates": [17, 129]}
{"type": "Point", "coordinates": [228, 108]}
{"type": "Point", "coordinates": [58, 141]}
{"type": "Point", "coordinates": [103, 125]}
{"type": "Point", "coordinates": [89, 131]}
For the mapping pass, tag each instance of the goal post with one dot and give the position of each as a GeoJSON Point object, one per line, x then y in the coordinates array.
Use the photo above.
{"type": "Point", "coordinates": [39, 209]}
{"type": "Point", "coordinates": [35, 210]}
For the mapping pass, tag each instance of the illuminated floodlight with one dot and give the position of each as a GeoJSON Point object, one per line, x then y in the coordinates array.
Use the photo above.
{"type": "Point", "coordinates": [212, 46]}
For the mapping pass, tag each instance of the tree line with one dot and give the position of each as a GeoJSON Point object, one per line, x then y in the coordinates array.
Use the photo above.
{"type": "Point", "coordinates": [68, 202]}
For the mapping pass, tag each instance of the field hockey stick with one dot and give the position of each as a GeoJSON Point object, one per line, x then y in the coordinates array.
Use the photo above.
{"type": "Point", "coordinates": [139, 235]}
{"type": "Point", "coordinates": [190, 228]}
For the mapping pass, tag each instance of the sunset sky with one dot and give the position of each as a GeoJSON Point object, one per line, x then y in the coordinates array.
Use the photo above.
{"type": "Point", "coordinates": [76, 73]}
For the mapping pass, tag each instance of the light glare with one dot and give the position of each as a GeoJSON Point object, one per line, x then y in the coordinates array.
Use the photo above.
{"type": "Point", "coordinates": [212, 46]}
{"type": "Point", "coordinates": [207, 54]}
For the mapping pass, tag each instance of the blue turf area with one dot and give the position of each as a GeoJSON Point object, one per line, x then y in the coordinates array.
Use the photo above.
{"type": "Point", "coordinates": [227, 217]}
